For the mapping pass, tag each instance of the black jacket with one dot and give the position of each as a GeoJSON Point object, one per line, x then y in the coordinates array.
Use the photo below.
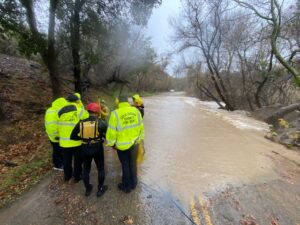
{"type": "Point", "coordinates": [141, 109]}
{"type": "Point", "coordinates": [92, 148]}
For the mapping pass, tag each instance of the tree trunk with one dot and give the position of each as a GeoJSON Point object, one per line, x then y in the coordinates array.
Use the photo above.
{"type": "Point", "coordinates": [52, 60]}
{"type": "Point", "coordinates": [258, 91]}
{"type": "Point", "coordinates": [276, 19]}
{"type": "Point", "coordinates": [282, 112]}
{"type": "Point", "coordinates": [2, 114]}
{"type": "Point", "coordinates": [262, 84]}
{"type": "Point", "coordinates": [139, 81]}
{"type": "Point", "coordinates": [228, 106]}
{"type": "Point", "coordinates": [47, 53]}
{"type": "Point", "coordinates": [207, 93]}
{"type": "Point", "coordinates": [75, 45]}
{"type": "Point", "coordinates": [249, 102]}
{"type": "Point", "coordinates": [245, 92]}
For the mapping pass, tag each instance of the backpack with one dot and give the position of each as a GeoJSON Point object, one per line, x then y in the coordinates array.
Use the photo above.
{"type": "Point", "coordinates": [89, 131]}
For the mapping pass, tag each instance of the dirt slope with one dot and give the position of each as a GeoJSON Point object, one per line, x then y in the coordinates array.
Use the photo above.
{"type": "Point", "coordinates": [24, 96]}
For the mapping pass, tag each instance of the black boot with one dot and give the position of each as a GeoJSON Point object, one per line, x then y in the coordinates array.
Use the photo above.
{"type": "Point", "coordinates": [101, 191]}
{"type": "Point", "coordinates": [122, 188]}
{"type": "Point", "coordinates": [88, 190]}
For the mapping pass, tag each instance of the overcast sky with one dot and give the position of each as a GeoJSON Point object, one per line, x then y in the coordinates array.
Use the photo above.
{"type": "Point", "coordinates": [159, 29]}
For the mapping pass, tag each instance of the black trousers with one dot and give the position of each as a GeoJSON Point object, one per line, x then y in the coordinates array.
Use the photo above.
{"type": "Point", "coordinates": [57, 155]}
{"type": "Point", "coordinates": [87, 162]}
{"type": "Point", "coordinates": [129, 168]}
{"type": "Point", "coordinates": [68, 154]}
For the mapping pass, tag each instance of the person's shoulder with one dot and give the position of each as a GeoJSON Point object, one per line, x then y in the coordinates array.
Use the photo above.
{"type": "Point", "coordinates": [86, 120]}
{"type": "Point", "coordinates": [114, 111]}
{"type": "Point", "coordinates": [102, 125]}
{"type": "Point", "coordinates": [66, 109]}
{"type": "Point", "coordinates": [49, 109]}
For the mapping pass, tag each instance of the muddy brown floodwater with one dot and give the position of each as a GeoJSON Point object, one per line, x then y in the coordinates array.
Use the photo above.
{"type": "Point", "coordinates": [202, 166]}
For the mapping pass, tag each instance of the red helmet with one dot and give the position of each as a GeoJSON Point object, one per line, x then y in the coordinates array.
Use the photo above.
{"type": "Point", "coordinates": [93, 107]}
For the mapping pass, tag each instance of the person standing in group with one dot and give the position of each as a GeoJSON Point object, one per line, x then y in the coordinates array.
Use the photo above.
{"type": "Point", "coordinates": [91, 132]}
{"type": "Point", "coordinates": [125, 130]}
{"type": "Point", "coordinates": [104, 110]}
{"type": "Point", "coordinates": [69, 116]}
{"type": "Point", "coordinates": [83, 112]}
{"type": "Point", "coordinates": [138, 103]}
{"type": "Point", "coordinates": [51, 126]}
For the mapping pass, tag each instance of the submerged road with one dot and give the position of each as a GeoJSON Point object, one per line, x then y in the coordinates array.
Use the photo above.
{"type": "Point", "coordinates": [199, 154]}
{"type": "Point", "coordinates": [202, 166]}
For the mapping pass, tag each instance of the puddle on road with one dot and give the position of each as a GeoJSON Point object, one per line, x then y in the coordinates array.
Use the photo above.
{"type": "Point", "coordinates": [192, 148]}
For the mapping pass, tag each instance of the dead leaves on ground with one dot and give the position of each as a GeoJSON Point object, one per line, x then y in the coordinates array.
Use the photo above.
{"type": "Point", "coordinates": [73, 208]}
{"type": "Point", "coordinates": [24, 158]}
{"type": "Point", "coordinates": [127, 220]}
{"type": "Point", "coordinates": [23, 141]}
{"type": "Point", "coordinates": [248, 220]}
{"type": "Point", "coordinates": [274, 221]}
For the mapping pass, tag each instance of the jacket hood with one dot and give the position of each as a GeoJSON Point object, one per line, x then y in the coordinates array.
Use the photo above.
{"type": "Point", "coordinates": [59, 103]}
{"type": "Point", "coordinates": [137, 100]}
{"type": "Point", "coordinates": [78, 95]}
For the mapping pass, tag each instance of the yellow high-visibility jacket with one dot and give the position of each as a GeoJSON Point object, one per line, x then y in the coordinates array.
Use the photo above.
{"type": "Point", "coordinates": [69, 116]}
{"type": "Point", "coordinates": [104, 112]}
{"type": "Point", "coordinates": [125, 127]}
{"type": "Point", "coordinates": [51, 119]}
{"type": "Point", "coordinates": [85, 113]}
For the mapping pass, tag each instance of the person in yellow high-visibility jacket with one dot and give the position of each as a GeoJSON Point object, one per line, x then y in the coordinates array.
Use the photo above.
{"type": "Point", "coordinates": [51, 126]}
{"type": "Point", "coordinates": [138, 103]}
{"type": "Point", "coordinates": [104, 110]}
{"type": "Point", "coordinates": [84, 112]}
{"type": "Point", "coordinates": [125, 130]}
{"type": "Point", "coordinates": [69, 116]}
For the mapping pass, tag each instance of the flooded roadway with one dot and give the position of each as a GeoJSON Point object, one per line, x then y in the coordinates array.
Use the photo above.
{"type": "Point", "coordinates": [195, 151]}
{"type": "Point", "coordinates": [202, 166]}
{"type": "Point", "coordinates": [191, 150]}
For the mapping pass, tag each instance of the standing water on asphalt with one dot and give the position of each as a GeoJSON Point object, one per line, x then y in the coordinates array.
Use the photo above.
{"type": "Point", "coordinates": [192, 147]}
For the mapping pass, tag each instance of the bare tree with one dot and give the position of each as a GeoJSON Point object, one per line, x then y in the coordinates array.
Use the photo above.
{"type": "Point", "coordinates": [273, 16]}
{"type": "Point", "coordinates": [204, 31]}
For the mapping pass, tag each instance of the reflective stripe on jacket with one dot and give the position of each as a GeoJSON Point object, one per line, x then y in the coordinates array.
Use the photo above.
{"type": "Point", "coordinates": [51, 119]}
{"type": "Point", "coordinates": [125, 127]}
{"type": "Point", "coordinates": [69, 116]}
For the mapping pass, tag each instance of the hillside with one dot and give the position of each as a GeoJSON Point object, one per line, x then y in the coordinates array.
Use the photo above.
{"type": "Point", "coordinates": [25, 153]}
{"type": "Point", "coordinates": [24, 149]}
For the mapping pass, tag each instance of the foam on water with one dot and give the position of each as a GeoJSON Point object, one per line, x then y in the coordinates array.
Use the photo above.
{"type": "Point", "coordinates": [239, 119]}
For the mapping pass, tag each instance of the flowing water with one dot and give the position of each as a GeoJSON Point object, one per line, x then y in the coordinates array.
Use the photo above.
{"type": "Point", "coordinates": [192, 147]}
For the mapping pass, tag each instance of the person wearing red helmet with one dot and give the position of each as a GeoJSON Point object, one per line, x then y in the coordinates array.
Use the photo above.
{"type": "Point", "coordinates": [91, 132]}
